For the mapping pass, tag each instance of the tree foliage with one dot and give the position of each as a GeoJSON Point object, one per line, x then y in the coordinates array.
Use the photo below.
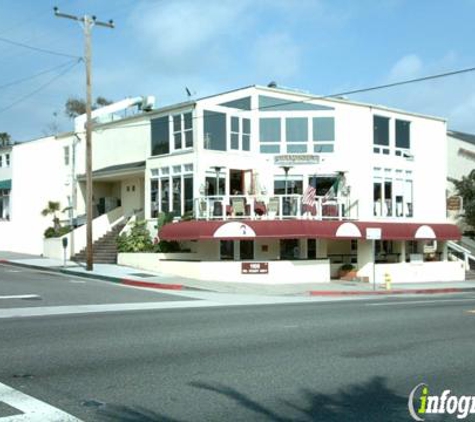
{"type": "Point", "coordinates": [466, 189]}
{"type": "Point", "coordinates": [74, 107]}
{"type": "Point", "coordinates": [5, 138]}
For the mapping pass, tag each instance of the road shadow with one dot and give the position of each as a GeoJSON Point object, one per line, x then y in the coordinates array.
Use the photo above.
{"type": "Point", "coordinates": [369, 401]}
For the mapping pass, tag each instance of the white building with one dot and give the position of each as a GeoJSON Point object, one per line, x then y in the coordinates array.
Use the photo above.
{"type": "Point", "coordinates": [242, 165]}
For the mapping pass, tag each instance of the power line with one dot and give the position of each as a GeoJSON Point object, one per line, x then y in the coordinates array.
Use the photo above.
{"type": "Point", "coordinates": [41, 50]}
{"type": "Point", "coordinates": [41, 87]}
{"type": "Point", "coordinates": [18, 81]}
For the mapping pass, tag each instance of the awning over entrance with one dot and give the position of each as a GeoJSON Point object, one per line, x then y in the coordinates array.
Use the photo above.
{"type": "Point", "coordinates": [300, 229]}
{"type": "Point", "coordinates": [5, 184]}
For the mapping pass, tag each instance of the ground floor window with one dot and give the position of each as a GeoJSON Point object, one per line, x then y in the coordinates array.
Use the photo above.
{"type": "Point", "coordinates": [289, 249]}
{"type": "Point", "coordinates": [172, 193]}
{"type": "Point", "coordinates": [246, 249]}
{"type": "Point", "coordinates": [227, 250]}
{"type": "Point", "coordinates": [4, 204]}
{"type": "Point", "coordinates": [311, 248]}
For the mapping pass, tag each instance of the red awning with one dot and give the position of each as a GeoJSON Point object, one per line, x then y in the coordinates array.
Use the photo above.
{"type": "Point", "coordinates": [295, 229]}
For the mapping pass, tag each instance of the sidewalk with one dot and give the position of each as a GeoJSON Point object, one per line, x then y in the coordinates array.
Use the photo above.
{"type": "Point", "coordinates": [139, 278]}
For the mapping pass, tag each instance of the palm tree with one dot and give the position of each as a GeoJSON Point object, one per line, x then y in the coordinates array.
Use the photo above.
{"type": "Point", "coordinates": [52, 208]}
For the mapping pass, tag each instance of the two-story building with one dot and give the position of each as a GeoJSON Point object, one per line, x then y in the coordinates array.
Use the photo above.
{"type": "Point", "coordinates": [274, 184]}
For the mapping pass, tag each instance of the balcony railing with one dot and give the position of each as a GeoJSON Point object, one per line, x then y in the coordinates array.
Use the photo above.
{"type": "Point", "coordinates": [274, 207]}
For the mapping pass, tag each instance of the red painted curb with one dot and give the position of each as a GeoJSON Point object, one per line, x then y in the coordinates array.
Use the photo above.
{"type": "Point", "coordinates": [4, 261]}
{"type": "Point", "coordinates": [164, 286]}
{"type": "Point", "coordinates": [387, 292]}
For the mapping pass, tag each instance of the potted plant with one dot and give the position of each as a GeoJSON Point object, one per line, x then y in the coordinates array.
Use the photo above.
{"type": "Point", "coordinates": [347, 271]}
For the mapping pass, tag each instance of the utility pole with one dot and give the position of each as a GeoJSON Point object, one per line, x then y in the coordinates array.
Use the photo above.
{"type": "Point", "coordinates": [87, 23]}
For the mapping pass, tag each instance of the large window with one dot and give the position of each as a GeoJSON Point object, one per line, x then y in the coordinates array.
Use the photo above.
{"type": "Point", "coordinates": [403, 136]}
{"type": "Point", "coordinates": [323, 134]}
{"type": "Point", "coordinates": [296, 134]}
{"type": "Point", "coordinates": [246, 250]}
{"type": "Point", "coordinates": [392, 193]}
{"type": "Point", "coordinates": [4, 204]}
{"type": "Point", "coordinates": [160, 135]}
{"type": "Point", "coordinates": [270, 135]}
{"type": "Point", "coordinates": [214, 130]}
{"type": "Point", "coordinates": [183, 131]}
{"type": "Point", "coordinates": [240, 133]}
{"type": "Point", "coordinates": [171, 193]}
{"type": "Point", "coordinates": [381, 134]}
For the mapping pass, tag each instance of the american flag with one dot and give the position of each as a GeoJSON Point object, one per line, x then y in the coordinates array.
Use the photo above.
{"type": "Point", "coordinates": [308, 197]}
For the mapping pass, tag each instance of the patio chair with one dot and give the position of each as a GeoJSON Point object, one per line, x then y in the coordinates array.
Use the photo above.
{"type": "Point", "coordinates": [239, 207]}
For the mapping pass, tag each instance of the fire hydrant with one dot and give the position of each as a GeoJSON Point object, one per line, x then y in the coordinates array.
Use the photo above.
{"type": "Point", "coordinates": [387, 281]}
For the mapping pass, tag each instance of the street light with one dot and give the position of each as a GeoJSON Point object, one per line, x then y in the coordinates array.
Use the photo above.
{"type": "Point", "coordinates": [217, 169]}
{"type": "Point", "coordinates": [286, 202]}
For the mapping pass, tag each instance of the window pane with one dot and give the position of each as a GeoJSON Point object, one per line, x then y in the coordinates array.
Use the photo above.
{"type": "Point", "coordinates": [177, 123]}
{"type": "Point", "coordinates": [380, 130]}
{"type": "Point", "coordinates": [246, 125]}
{"type": "Point", "coordinates": [234, 141]}
{"type": "Point", "coordinates": [188, 193]}
{"type": "Point", "coordinates": [177, 195]}
{"type": "Point", "coordinates": [242, 103]}
{"type": "Point", "coordinates": [246, 142]}
{"type": "Point", "coordinates": [164, 191]}
{"type": "Point", "coordinates": [234, 124]}
{"type": "Point", "coordinates": [296, 149]}
{"type": "Point", "coordinates": [323, 148]}
{"type": "Point", "coordinates": [160, 136]}
{"type": "Point", "coordinates": [188, 118]}
{"type": "Point", "coordinates": [154, 198]}
{"type": "Point", "coordinates": [178, 140]}
{"type": "Point", "coordinates": [214, 130]}
{"type": "Point", "coordinates": [269, 130]}
{"type": "Point", "coordinates": [189, 139]}
{"type": "Point", "coordinates": [323, 129]}
{"type": "Point", "coordinates": [403, 134]}
{"type": "Point", "coordinates": [296, 129]}
{"type": "Point", "coordinates": [280, 104]}
{"type": "Point", "coordinates": [270, 149]}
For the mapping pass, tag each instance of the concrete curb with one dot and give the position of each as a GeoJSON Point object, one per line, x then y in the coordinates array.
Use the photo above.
{"type": "Point", "coordinates": [443, 290]}
{"type": "Point", "coordinates": [118, 280]}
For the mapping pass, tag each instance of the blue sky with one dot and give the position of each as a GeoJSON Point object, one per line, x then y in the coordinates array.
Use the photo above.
{"type": "Point", "coordinates": [159, 47]}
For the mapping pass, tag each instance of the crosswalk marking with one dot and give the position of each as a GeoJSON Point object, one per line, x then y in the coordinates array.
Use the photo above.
{"type": "Point", "coordinates": [33, 410]}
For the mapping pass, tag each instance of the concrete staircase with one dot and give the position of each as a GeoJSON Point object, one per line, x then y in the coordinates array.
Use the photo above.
{"type": "Point", "coordinates": [104, 249]}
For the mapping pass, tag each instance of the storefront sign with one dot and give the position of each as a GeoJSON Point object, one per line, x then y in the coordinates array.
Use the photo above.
{"type": "Point", "coordinates": [454, 203]}
{"type": "Point", "coordinates": [255, 268]}
{"type": "Point", "coordinates": [373, 233]}
{"type": "Point", "coordinates": [295, 159]}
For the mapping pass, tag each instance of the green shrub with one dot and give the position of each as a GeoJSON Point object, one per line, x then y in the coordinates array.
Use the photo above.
{"type": "Point", "coordinates": [347, 267]}
{"type": "Point", "coordinates": [51, 232]}
{"type": "Point", "coordinates": [138, 239]}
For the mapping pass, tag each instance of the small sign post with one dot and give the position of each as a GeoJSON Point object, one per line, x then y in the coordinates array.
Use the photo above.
{"type": "Point", "coordinates": [373, 234]}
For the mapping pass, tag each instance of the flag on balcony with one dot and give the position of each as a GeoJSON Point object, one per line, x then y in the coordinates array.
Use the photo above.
{"type": "Point", "coordinates": [308, 197]}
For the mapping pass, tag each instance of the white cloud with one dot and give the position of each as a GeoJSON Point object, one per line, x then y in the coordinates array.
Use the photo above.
{"type": "Point", "coordinates": [184, 34]}
{"type": "Point", "coordinates": [409, 66]}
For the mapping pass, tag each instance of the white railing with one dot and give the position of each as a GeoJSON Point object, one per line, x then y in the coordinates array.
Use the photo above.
{"type": "Point", "coordinates": [467, 253]}
{"type": "Point", "coordinates": [224, 207]}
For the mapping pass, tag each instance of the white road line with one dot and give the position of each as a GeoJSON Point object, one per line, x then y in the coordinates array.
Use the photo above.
{"type": "Point", "coordinates": [33, 410]}
{"type": "Point", "coordinates": [20, 297]}
{"type": "Point", "coordinates": [418, 302]}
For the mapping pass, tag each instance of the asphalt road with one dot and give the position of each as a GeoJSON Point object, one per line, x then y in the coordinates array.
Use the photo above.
{"type": "Point", "coordinates": [326, 361]}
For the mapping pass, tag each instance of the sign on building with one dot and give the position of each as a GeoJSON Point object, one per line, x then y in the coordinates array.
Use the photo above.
{"type": "Point", "coordinates": [295, 159]}
{"type": "Point", "coordinates": [454, 203]}
{"type": "Point", "coordinates": [254, 267]}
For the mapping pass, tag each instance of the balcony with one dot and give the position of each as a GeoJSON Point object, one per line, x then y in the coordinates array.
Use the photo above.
{"type": "Point", "coordinates": [275, 207]}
